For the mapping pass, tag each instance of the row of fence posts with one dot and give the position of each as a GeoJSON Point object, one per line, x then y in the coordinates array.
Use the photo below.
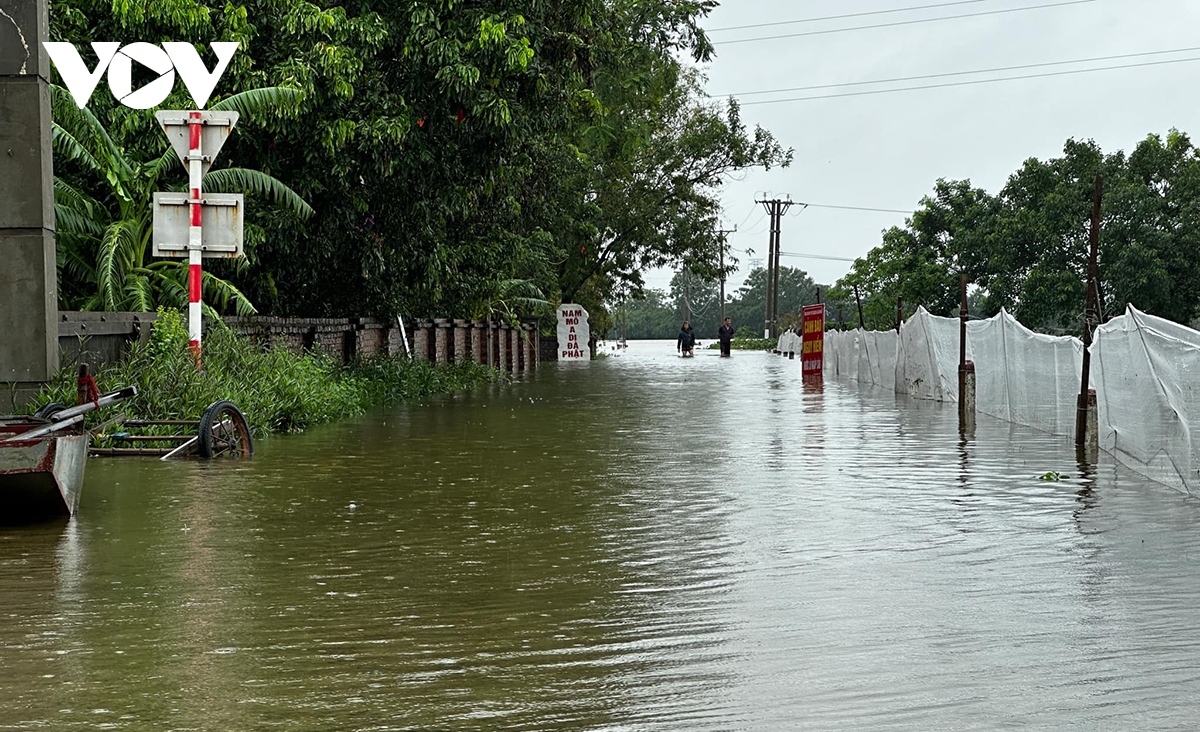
{"type": "Point", "coordinates": [503, 346]}
{"type": "Point", "coordinates": [1087, 433]}
{"type": "Point", "coordinates": [1086, 418]}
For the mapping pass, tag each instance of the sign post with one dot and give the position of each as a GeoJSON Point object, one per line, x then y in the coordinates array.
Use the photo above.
{"type": "Point", "coordinates": [813, 342]}
{"type": "Point", "coordinates": [197, 137]}
{"type": "Point", "coordinates": [573, 333]}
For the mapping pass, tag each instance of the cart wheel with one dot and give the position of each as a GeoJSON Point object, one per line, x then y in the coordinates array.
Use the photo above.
{"type": "Point", "coordinates": [224, 432]}
{"type": "Point", "coordinates": [49, 410]}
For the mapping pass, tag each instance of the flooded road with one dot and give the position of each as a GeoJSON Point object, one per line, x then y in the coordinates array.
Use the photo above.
{"type": "Point", "coordinates": [639, 543]}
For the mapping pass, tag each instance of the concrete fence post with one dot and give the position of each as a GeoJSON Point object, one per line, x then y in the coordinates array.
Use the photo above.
{"type": "Point", "coordinates": [966, 396]}
{"type": "Point", "coordinates": [530, 360]}
{"type": "Point", "coordinates": [442, 340]}
{"type": "Point", "coordinates": [1090, 449]}
{"type": "Point", "coordinates": [502, 347]}
{"type": "Point", "coordinates": [478, 336]}
{"type": "Point", "coordinates": [421, 340]}
{"type": "Point", "coordinates": [461, 355]}
{"type": "Point", "coordinates": [515, 348]}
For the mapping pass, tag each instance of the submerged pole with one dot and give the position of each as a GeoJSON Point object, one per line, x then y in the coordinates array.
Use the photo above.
{"type": "Point", "coordinates": [1085, 404]}
{"type": "Point", "coordinates": [966, 369]}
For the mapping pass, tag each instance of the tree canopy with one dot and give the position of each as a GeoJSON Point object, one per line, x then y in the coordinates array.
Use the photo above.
{"type": "Point", "coordinates": [461, 158]}
{"type": "Point", "coordinates": [1025, 248]}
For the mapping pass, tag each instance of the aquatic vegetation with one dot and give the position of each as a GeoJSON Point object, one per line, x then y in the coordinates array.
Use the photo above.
{"type": "Point", "coordinates": [746, 344]}
{"type": "Point", "coordinates": [1053, 475]}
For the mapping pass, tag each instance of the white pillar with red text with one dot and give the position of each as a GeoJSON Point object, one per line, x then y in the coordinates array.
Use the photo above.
{"type": "Point", "coordinates": [195, 253]}
{"type": "Point", "coordinates": [573, 333]}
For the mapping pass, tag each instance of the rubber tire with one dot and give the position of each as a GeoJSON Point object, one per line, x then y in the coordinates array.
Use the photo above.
{"type": "Point", "coordinates": [204, 447]}
{"type": "Point", "coordinates": [49, 410]}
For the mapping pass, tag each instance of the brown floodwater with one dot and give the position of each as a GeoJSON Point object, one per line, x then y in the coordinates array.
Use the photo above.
{"type": "Point", "coordinates": [639, 543]}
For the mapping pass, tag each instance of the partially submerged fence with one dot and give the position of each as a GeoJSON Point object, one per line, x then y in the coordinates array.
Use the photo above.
{"type": "Point", "coordinates": [1144, 370]}
{"type": "Point", "coordinates": [99, 338]}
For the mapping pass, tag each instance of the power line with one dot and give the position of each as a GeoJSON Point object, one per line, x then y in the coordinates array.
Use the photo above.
{"type": "Point", "coordinates": [843, 17]}
{"type": "Point", "coordinates": [816, 256]}
{"type": "Point", "coordinates": [860, 208]}
{"type": "Point", "coordinates": [963, 73]}
{"type": "Point", "coordinates": [975, 81]}
{"type": "Point", "coordinates": [904, 22]}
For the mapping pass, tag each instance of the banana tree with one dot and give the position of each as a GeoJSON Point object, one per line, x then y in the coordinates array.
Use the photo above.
{"type": "Point", "coordinates": [105, 232]}
{"type": "Point", "coordinates": [508, 299]}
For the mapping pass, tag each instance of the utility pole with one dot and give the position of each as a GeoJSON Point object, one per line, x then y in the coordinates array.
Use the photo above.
{"type": "Point", "coordinates": [687, 294]}
{"type": "Point", "coordinates": [776, 208]}
{"type": "Point", "coordinates": [861, 323]}
{"type": "Point", "coordinates": [28, 277]}
{"type": "Point", "coordinates": [1085, 408]}
{"type": "Point", "coordinates": [721, 234]}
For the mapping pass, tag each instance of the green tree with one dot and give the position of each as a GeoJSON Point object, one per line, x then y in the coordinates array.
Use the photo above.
{"type": "Point", "coordinates": [749, 303]}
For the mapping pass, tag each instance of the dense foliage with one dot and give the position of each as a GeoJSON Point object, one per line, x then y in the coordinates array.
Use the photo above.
{"type": "Point", "coordinates": [277, 390]}
{"type": "Point", "coordinates": [461, 157]}
{"type": "Point", "coordinates": [1025, 249]}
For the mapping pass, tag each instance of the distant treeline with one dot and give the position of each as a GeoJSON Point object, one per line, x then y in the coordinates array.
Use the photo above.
{"type": "Point", "coordinates": [660, 314]}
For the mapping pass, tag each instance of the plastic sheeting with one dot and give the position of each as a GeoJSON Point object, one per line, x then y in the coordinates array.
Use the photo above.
{"type": "Point", "coordinates": [868, 357]}
{"type": "Point", "coordinates": [927, 359]}
{"type": "Point", "coordinates": [923, 363]}
{"type": "Point", "coordinates": [1025, 377]}
{"type": "Point", "coordinates": [1145, 370]}
{"type": "Point", "coordinates": [789, 342]}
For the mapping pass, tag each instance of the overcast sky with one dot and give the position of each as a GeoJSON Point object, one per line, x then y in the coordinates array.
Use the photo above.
{"type": "Point", "coordinates": [887, 150]}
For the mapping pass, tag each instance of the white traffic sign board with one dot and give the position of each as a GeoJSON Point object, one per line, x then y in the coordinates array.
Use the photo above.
{"type": "Point", "coordinates": [222, 235]}
{"type": "Point", "coordinates": [215, 129]}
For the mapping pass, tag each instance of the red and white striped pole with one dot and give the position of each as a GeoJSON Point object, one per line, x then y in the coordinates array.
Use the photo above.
{"type": "Point", "coordinates": [195, 271]}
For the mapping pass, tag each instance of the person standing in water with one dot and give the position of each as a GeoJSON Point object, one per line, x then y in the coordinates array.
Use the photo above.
{"type": "Point", "coordinates": [686, 341]}
{"type": "Point", "coordinates": [725, 334]}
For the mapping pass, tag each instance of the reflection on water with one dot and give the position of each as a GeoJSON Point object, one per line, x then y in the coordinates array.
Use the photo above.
{"type": "Point", "coordinates": [644, 542]}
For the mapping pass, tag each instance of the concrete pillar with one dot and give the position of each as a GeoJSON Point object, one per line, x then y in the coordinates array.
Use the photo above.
{"type": "Point", "coordinates": [28, 278]}
{"type": "Point", "coordinates": [479, 341]}
{"type": "Point", "coordinates": [421, 340]}
{"type": "Point", "coordinates": [530, 360]}
{"type": "Point", "coordinates": [442, 340]}
{"type": "Point", "coordinates": [966, 396]}
{"type": "Point", "coordinates": [502, 347]}
{"type": "Point", "coordinates": [1089, 451]}
{"type": "Point", "coordinates": [461, 354]}
{"type": "Point", "coordinates": [515, 349]}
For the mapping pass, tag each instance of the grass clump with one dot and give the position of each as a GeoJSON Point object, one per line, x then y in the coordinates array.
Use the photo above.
{"type": "Point", "coordinates": [747, 344]}
{"type": "Point", "coordinates": [278, 390]}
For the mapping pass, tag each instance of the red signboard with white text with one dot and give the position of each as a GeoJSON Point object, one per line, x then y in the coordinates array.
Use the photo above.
{"type": "Point", "coordinates": [813, 341]}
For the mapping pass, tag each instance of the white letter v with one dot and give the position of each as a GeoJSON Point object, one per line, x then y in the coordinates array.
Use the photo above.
{"type": "Point", "coordinates": [199, 82]}
{"type": "Point", "coordinates": [80, 82]}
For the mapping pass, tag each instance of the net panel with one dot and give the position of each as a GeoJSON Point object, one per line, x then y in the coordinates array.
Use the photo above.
{"type": "Point", "coordinates": [1145, 370]}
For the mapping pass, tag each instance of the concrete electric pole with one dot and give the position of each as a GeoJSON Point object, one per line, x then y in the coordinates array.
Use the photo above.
{"type": "Point", "coordinates": [776, 208]}
{"type": "Point", "coordinates": [28, 276]}
{"type": "Point", "coordinates": [722, 234]}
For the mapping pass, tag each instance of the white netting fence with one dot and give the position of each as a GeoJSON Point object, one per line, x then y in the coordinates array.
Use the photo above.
{"type": "Point", "coordinates": [789, 342]}
{"type": "Point", "coordinates": [1144, 371]}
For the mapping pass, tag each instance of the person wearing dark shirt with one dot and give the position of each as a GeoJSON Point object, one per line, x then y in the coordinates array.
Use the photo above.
{"type": "Point", "coordinates": [686, 341]}
{"type": "Point", "coordinates": [725, 334]}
